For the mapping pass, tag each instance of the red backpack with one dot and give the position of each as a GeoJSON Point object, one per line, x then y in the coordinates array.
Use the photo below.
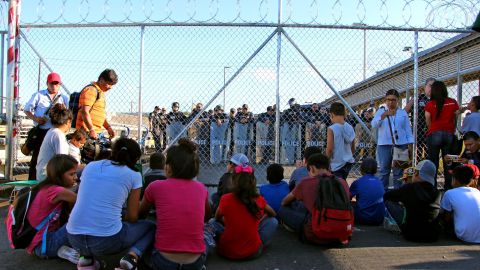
{"type": "Point", "coordinates": [332, 216]}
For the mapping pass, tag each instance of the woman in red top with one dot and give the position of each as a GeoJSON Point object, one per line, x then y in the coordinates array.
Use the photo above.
{"type": "Point", "coordinates": [440, 115]}
{"type": "Point", "coordinates": [244, 222]}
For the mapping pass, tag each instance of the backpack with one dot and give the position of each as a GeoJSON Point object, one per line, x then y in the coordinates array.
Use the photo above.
{"type": "Point", "coordinates": [20, 232]}
{"type": "Point", "coordinates": [74, 103]}
{"type": "Point", "coordinates": [332, 215]}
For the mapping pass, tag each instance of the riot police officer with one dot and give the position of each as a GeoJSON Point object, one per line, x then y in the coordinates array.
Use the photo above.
{"type": "Point", "coordinates": [218, 135]}
{"type": "Point", "coordinates": [176, 122]}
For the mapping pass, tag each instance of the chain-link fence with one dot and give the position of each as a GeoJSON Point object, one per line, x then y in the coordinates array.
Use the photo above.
{"type": "Point", "coordinates": [218, 84]}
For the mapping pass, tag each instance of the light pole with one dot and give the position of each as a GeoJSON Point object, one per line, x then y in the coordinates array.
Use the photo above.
{"type": "Point", "coordinates": [224, 81]}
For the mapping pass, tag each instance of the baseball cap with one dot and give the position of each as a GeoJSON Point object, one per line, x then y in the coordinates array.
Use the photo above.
{"type": "Point", "coordinates": [175, 104]}
{"type": "Point", "coordinates": [157, 108]}
{"type": "Point", "coordinates": [427, 171]}
{"type": "Point", "coordinates": [244, 106]}
{"type": "Point", "coordinates": [218, 107]}
{"type": "Point", "coordinates": [239, 159]}
{"type": "Point", "coordinates": [53, 77]}
{"type": "Point", "coordinates": [292, 102]}
{"type": "Point", "coordinates": [476, 171]}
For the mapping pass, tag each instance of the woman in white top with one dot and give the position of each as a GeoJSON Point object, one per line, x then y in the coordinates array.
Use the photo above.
{"type": "Point", "coordinates": [55, 141]}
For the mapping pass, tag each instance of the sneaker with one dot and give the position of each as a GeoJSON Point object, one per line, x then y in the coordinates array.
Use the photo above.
{"type": "Point", "coordinates": [88, 263]}
{"type": "Point", "coordinates": [209, 235]}
{"type": "Point", "coordinates": [68, 254]}
{"type": "Point", "coordinates": [286, 227]}
{"type": "Point", "coordinates": [128, 262]}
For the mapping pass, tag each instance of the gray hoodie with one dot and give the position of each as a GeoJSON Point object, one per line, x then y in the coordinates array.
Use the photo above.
{"type": "Point", "coordinates": [343, 136]}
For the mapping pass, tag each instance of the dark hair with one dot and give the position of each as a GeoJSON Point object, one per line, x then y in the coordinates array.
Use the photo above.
{"type": "Point", "coordinates": [337, 108]}
{"type": "Point", "coordinates": [183, 159]}
{"type": "Point", "coordinates": [439, 94]}
{"type": "Point", "coordinates": [157, 161]}
{"type": "Point", "coordinates": [59, 114]}
{"type": "Point", "coordinates": [463, 174]}
{"type": "Point", "coordinates": [274, 173]}
{"type": "Point", "coordinates": [309, 151]}
{"type": "Point", "coordinates": [368, 166]}
{"type": "Point", "coordinates": [392, 92]}
{"type": "Point", "coordinates": [56, 168]}
{"type": "Point", "coordinates": [126, 152]}
{"type": "Point", "coordinates": [79, 134]}
{"type": "Point", "coordinates": [109, 76]}
{"type": "Point", "coordinates": [245, 189]}
{"type": "Point", "coordinates": [470, 135]}
{"type": "Point", "coordinates": [319, 161]}
{"type": "Point", "coordinates": [476, 101]}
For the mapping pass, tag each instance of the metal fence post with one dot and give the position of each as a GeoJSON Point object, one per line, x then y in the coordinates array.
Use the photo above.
{"type": "Point", "coordinates": [277, 91]}
{"type": "Point", "coordinates": [2, 74]}
{"type": "Point", "coordinates": [459, 87]}
{"type": "Point", "coordinates": [142, 41]}
{"type": "Point", "coordinates": [415, 96]}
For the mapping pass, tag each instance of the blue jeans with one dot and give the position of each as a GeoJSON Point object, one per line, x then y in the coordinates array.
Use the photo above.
{"type": "Point", "coordinates": [436, 142]}
{"type": "Point", "coordinates": [136, 236]}
{"type": "Point", "coordinates": [385, 158]}
{"type": "Point", "coordinates": [55, 240]}
{"type": "Point", "coordinates": [158, 261]}
{"type": "Point", "coordinates": [344, 171]}
{"type": "Point", "coordinates": [294, 215]}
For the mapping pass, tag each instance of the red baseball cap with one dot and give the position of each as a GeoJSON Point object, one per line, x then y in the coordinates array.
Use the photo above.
{"type": "Point", "coordinates": [476, 171]}
{"type": "Point", "coordinates": [53, 77]}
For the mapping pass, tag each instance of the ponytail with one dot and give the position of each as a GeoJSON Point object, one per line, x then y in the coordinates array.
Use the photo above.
{"type": "Point", "coordinates": [126, 152]}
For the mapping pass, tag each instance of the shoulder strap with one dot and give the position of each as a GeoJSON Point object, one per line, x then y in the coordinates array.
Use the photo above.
{"type": "Point", "coordinates": [391, 131]}
{"type": "Point", "coordinates": [53, 103]}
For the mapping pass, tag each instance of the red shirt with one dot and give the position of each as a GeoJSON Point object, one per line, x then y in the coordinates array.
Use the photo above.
{"type": "Point", "coordinates": [446, 119]}
{"type": "Point", "coordinates": [240, 238]}
{"type": "Point", "coordinates": [180, 206]}
{"type": "Point", "coordinates": [307, 192]}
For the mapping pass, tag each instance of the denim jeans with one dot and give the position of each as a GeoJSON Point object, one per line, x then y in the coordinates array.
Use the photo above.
{"type": "Point", "coordinates": [436, 142]}
{"type": "Point", "coordinates": [55, 240]}
{"type": "Point", "coordinates": [385, 158]}
{"type": "Point", "coordinates": [294, 215]}
{"type": "Point", "coordinates": [158, 261]}
{"type": "Point", "coordinates": [136, 236]}
{"type": "Point", "coordinates": [344, 171]}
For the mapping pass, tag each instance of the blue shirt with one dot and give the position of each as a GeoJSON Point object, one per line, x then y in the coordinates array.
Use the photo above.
{"type": "Point", "coordinates": [297, 175]}
{"type": "Point", "coordinates": [368, 191]}
{"type": "Point", "coordinates": [274, 193]}
{"type": "Point", "coordinates": [400, 123]}
{"type": "Point", "coordinates": [40, 102]}
{"type": "Point", "coordinates": [471, 123]}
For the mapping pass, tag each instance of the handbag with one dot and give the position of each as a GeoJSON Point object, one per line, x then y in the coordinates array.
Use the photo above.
{"type": "Point", "coordinates": [401, 157]}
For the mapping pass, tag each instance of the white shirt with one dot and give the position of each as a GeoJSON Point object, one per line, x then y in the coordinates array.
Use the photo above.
{"type": "Point", "coordinates": [74, 151]}
{"type": "Point", "coordinates": [464, 202]}
{"type": "Point", "coordinates": [54, 143]}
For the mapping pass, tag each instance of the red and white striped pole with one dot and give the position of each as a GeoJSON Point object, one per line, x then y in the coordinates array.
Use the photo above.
{"type": "Point", "coordinates": [12, 84]}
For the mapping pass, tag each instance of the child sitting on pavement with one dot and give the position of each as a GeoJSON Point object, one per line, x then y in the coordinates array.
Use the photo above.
{"type": "Point", "coordinates": [368, 191]}
{"type": "Point", "coordinates": [277, 189]}
{"type": "Point", "coordinates": [76, 142]}
{"type": "Point", "coordinates": [156, 170]}
{"type": "Point", "coordinates": [462, 203]}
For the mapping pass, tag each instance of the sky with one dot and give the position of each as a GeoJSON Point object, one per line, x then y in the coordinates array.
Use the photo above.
{"type": "Point", "coordinates": [188, 64]}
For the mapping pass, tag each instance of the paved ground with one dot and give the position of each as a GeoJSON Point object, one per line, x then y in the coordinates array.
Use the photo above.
{"type": "Point", "coordinates": [371, 248]}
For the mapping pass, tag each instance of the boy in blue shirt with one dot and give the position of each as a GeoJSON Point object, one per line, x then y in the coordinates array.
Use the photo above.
{"type": "Point", "coordinates": [368, 191]}
{"type": "Point", "coordinates": [277, 189]}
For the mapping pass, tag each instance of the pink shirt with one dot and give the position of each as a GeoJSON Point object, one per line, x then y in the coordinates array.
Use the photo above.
{"type": "Point", "coordinates": [41, 207]}
{"type": "Point", "coordinates": [180, 206]}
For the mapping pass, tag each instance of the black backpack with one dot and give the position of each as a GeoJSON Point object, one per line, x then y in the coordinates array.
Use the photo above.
{"type": "Point", "coordinates": [19, 231]}
{"type": "Point", "coordinates": [74, 101]}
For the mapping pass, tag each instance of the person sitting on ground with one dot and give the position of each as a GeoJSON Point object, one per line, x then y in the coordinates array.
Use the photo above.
{"type": "Point", "coordinates": [340, 146]}
{"type": "Point", "coordinates": [54, 194]}
{"type": "Point", "coordinates": [301, 172]}
{"type": "Point", "coordinates": [244, 223]}
{"type": "Point", "coordinates": [306, 191]}
{"type": "Point", "coordinates": [471, 122]}
{"type": "Point", "coordinates": [471, 155]}
{"type": "Point", "coordinates": [76, 142]}
{"type": "Point", "coordinates": [277, 189]}
{"type": "Point", "coordinates": [225, 183]}
{"type": "Point", "coordinates": [95, 227]}
{"type": "Point", "coordinates": [421, 205]}
{"type": "Point", "coordinates": [368, 191]}
{"type": "Point", "coordinates": [156, 170]}
{"type": "Point", "coordinates": [463, 204]}
{"type": "Point", "coordinates": [182, 207]}
{"type": "Point", "coordinates": [55, 141]}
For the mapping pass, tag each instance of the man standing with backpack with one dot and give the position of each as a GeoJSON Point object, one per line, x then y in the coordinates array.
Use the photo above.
{"type": "Point", "coordinates": [328, 218]}
{"type": "Point", "coordinates": [92, 115]}
{"type": "Point", "coordinates": [37, 109]}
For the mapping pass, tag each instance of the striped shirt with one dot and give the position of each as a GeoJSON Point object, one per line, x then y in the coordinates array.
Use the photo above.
{"type": "Point", "coordinates": [88, 97]}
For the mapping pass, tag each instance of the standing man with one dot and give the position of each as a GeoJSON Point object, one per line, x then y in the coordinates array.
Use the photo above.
{"type": "Point", "coordinates": [37, 109]}
{"type": "Point", "coordinates": [199, 131]}
{"type": "Point", "coordinates": [423, 99]}
{"type": "Point", "coordinates": [155, 127]}
{"type": "Point", "coordinates": [316, 128]}
{"type": "Point", "coordinates": [241, 131]}
{"type": "Point", "coordinates": [176, 122]}
{"type": "Point", "coordinates": [218, 135]}
{"type": "Point", "coordinates": [92, 115]}
{"type": "Point", "coordinates": [267, 137]}
{"type": "Point", "coordinates": [290, 129]}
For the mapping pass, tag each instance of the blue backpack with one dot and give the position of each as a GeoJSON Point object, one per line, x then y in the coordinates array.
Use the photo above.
{"type": "Point", "coordinates": [74, 105]}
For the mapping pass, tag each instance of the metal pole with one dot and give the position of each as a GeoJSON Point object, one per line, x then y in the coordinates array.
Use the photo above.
{"type": "Point", "coordinates": [2, 75]}
{"type": "Point", "coordinates": [415, 95]}
{"type": "Point", "coordinates": [360, 121]}
{"type": "Point", "coordinates": [277, 92]}
{"type": "Point", "coordinates": [39, 73]}
{"type": "Point", "coordinates": [142, 41]}
{"type": "Point", "coordinates": [364, 54]}
{"type": "Point", "coordinates": [459, 84]}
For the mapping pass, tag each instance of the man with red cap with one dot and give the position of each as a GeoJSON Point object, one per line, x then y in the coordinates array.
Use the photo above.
{"type": "Point", "coordinates": [37, 109]}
